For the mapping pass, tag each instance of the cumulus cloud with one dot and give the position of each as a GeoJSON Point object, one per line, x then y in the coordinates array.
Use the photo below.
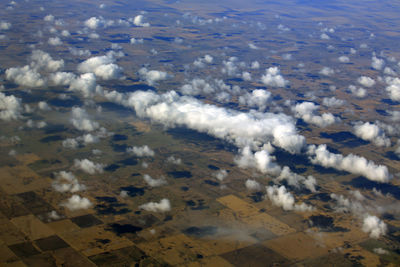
{"type": "Point", "coordinates": [62, 78]}
{"type": "Point", "coordinates": [366, 81]}
{"type": "Point", "coordinates": [202, 61]}
{"type": "Point", "coordinates": [260, 160]}
{"type": "Point", "coordinates": [332, 102]}
{"type": "Point", "coordinates": [252, 185]}
{"type": "Point", "coordinates": [272, 77]}
{"type": "Point", "coordinates": [197, 87]}
{"type": "Point", "coordinates": [173, 160]}
{"type": "Point", "coordinates": [96, 22]}
{"type": "Point", "coordinates": [70, 143]}
{"type": "Point", "coordinates": [139, 21]}
{"type": "Point", "coordinates": [280, 197]}
{"type": "Point", "coordinates": [371, 132]}
{"type": "Point", "coordinates": [241, 128]}
{"type": "Point", "coordinates": [136, 41]}
{"type": "Point", "coordinates": [327, 71]}
{"type": "Point", "coordinates": [88, 166]}
{"type": "Point", "coordinates": [393, 88]}
{"type": "Point", "coordinates": [10, 107]}
{"type": "Point", "coordinates": [307, 110]}
{"type": "Point", "coordinates": [220, 174]}
{"type": "Point", "coordinates": [152, 76]}
{"type": "Point", "coordinates": [350, 163]}
{"type": "Point", "coordinates": [141, 151]}
{"type": "Point", "coordinates": [81, 121]}
{"type": "Point", "coordinates": [102, 66]}
{"type": "Point", "coordinates": [296, 180]}
{"type": "Point", "coordinates": [163, 206]}
{"type": "Point", "coordinates": [4, 25]}
{"type": "Point", "coordinates": [357, 91]}
{"type": "Point", "coordinates": [54, 41]}
{"type": "Point", "coordinates": [76, 202]}
{"type": "Point", "coordinates": [377, 63]}
{"type": "Point", "coordinates": [85, 84]}
{"type": "Point", "coordinates": [67, 182]}
{"type": "Point", "coordinates": [42, 105]}
{"type": "Point", "coordinates": [230, 66]}
{"type": "Point", "coordinates": [79, 52]}
{"type": "Point", "coordinates": [42, 61]}
{"type": "Point", "coordinates": [258, 98]}
{"type": "Point", "coordinates": [154, 182]}
{"type": "Point", "coordinates": [344, 59]}
{"type": "Point", "coordinates": [25, 76]}
{"type": "Point", "coordinates": [374, 226]}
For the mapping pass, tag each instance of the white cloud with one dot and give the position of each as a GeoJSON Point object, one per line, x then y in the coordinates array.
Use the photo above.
{"type": "Point", "coordinates": [80, 120]}
{"type": "Point", "coordinates": [49, 18]}
{"type": "Point", "coordinates": [377, 63]}
{"type": "Point", "coordinates": [101, 66]}
{"type": "Point", "coordinates": [201, 61]}
{"type": "Point", "coordinates": [173, 160]}
{"type": "Point", "coordinates": [327, 71]}
{"type": "Point", "coordinates": [324, 36]}
{"type": "Point", "coordinates": [67, 182]}
{"type": "Point", "coordinates": [393, 88]}
{"type": "Point", "coordinates": [366, 81]}
{"type": "Point", "coordinates": [350, 163]}
{"type": "Point", "coordinates": [76, 202]}
{"type": "Point", "coordinates": [136, 41]}
{"type": "Point", "coordinates": [258, 98]}
{"type": "Point", "coordinates": [138, 21]}
{"type": "Point", "coordinates": [141, 151]}
{"type": "Point", "coordinates": [380, 251]}
{"type": "Point", "coordinates": [344, 59]}
{"type": "Point", "coordinates": [260, 160]}
{"type": "Point", "coordinates": [252, 46]}
{"type": "Point", "coordinates": [197, 87]}
{"type": "Point", "coordinates": [296, 180]}
{"type": "Point", "coordinates": [255, 65]}
{"type": "Point", "coordinates": [272, 77]}
{"type": "Point", "coordinates": [220, 174]}
{"type": "Point", "coordinates": [252, 185]}
{"type": "Point", "coordinates": [358, 92]}
{"type": "Point", "coordinates": [62, 78]}
{"type": "Point", "coordinates": [374, 226]}
{"type": "Point", "coordinates": [230, 67]}
{"type": "Point", "coordinates": [163, 206]}
{"type": "Point", "coordinates": [79, 52]}
{"type": "Point", "coordinates": [246, 76]}
{"type": "Point", "coordinates": [280, 197]}
{"type": "Point", "coordinates": [70, 143]}
{"type": "Point", "coordinates": [96, 22]}
{"type": "Point", "coordinates": [88, 166]}
{"type": "Point", "coordinates": [306, 111]}
{"type": "Point", "coordinates": [371, 132]}
{"type": "Point", "coordinates": [152, 76]}
{"type": "Point", "coordinates": [54, 41]}
{"type": "Point", "coordinates": [332, 102]}
{"type": "Point", "coordinates": [25, 76]}
{"type": "Point", "coordinates": [42, 105]}
{"type": "Point", "coordinates": [4, 25]}
{"type": "Point", "coordinates": [42, 61]}
{"type": "Point", "coordinates": [154, 182]}
{"type": "Point", "coordinates": [10, 107]}
{"type": "Point", "coordinates": [85, 84]}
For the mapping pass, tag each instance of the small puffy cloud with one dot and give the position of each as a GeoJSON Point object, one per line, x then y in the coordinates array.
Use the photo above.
{"type": "Point", "coordinates": [136, 41]}
{"type": "Point", "coordinates": [371, 132]}
{"type": "Point", "coordinates": [88, 166]}
{"type": "Point", "coordinates": [173, 160]}
{"type": "Point", "coordinates": [306, 111]}
{"type": "Point", "coordinates": [42, 105]}
{"type": "Point", "coordinates": [327, 71]}
{"type": "Point", "coordinates": [255, 65]}
{"type": "Point", "coordinates": [280, 197]}
{"type": "Point", "coordinates": [42, 61]}
{"type": "Point", "coordinates": [70, 143]}
{"type": "Point", "coordinates": [252, 46]}
{"type": "Point", "coordinates": [10, 107]}
{"type": "Point", "coordinates": [389, 71]}
{"type": "Point", "coordinates": [25, 76]}
{"type": "Point", "coordinates": [4, 25]}
{"type": "Point", "coordinates": [67, 182]}
{"type": "Point", "coordinates": [296, 180]}
{"type": "Point", "coordinates": [76, 202]}
{"type": "Point", "coordinates": [202, 61]}
{"type": "Point", "coordinates": [139, 21]}
{"type": "Point", "coordinates": [357, 91]}
{"type": "Point", "coordinates": [49, 18]}
{"type": "Point", "coordinates": [393, 88]}
{"type": "Point", "coordinates": [220, 175]}
{"type": "Point", "coordinates": [65, 33]}
{"type": "Point", "coordinates": [380, 251]}
{"type": "Point", "coordinates": [260, 160]}
{"type": "Point", "coordinates": [252, 185]}
{"type": "Point", "coordinates": [377, 63]}
{"type": "Point", "coordinates": [62, 78]}
{"type": "Point", "coordinates": [163, 206]}
{"type": "Point", "coordinates": [101, 66]}
{"type": "Point", "coordinates": [152, 76]}
{"type": "Point", "coordinates": [94, 22]}
{"type": "Point", "coordinates": [230, 66]}
{"type": "Point", "coordinates": [197, 87]}
{"type": "Point", "coordinates": [258, 98]}
{"type": "Point", "coordinates": [332, 102]}
{"type": "Point", "coordinates": [246, 76]}
{"type": "Point", "coordinates": [85, 84]}
{"type": "Point", "coordinates": [374, 226]}
{"type": "Point", "coordinates": [272, 77]}
{"type": "Point", "coordinates": [350, 163]}
{"type": "Point", "coordinates": [154, 182]}
{"type": "Point", "coordinates": [344, 59]}
{"type": "Point", "coordinates": [324, 36]}
{"type": "Point", "coordinates": [366, 81]}
{"type": "Point", "coordinates": [54, 41]}
{"type": "Point", "coordinates": [80, 120]}
{"type": "Point", "coordinates": [141, 151]}
{"type": "Point", "coordinates": [79, 52]}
